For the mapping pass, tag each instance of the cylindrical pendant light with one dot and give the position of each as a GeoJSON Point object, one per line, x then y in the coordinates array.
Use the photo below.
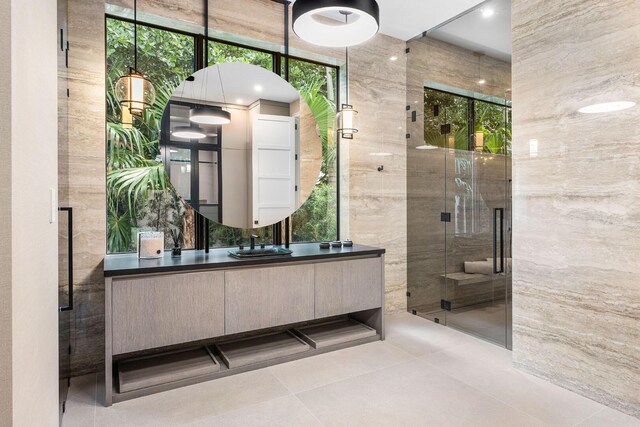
{"type": "Point", "coordinates": [209, 116]}
{"type": "Point", "coordinates": [134, 91]}
{"type": "Point", "coordinates": [348, 119]}
{"type": "Point", "coordinates": [320, 22]}
{"type": "Point", "coordinates": [189, 132]}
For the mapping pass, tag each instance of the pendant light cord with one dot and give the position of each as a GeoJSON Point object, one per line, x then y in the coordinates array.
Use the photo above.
{"type": "Point", "coordinates": [346, 70]}
{"type": "Point", "coordinates": [135, 35]}
{"type": "Point", "coordinates": [206, 33]}
{"type": "Point", "coordinates": [224, 98]}
{"type": "Point", "coordinates": [346, 49]}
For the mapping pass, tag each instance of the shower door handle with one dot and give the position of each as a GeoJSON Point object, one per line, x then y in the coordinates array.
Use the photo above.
{"type": "Point", "coordinates": [69, 212]}
{"type": "Point", "coordinates": [498, 213]}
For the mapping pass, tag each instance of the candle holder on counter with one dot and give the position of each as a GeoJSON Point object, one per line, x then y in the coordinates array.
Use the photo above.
{"type": "Point", "coordinates": [150, 244]}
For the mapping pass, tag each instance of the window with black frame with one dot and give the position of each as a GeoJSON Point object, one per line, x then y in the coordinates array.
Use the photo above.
{"type": "Point", "coordinates": [139, 195]}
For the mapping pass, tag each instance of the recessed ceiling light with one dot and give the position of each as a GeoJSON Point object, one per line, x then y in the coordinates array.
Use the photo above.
{"type": "Point", "coordinates": [393, 58]}
{"type": "Point", "coordinates": [487, 12]}
{"type": "Point", "coordinates": [607, 107]}
{"type": "Point", "coordinates": [426, 147]}
{"type": "Point", "coordinates": [482, 81]}
{"type": "Point", "coordinates": [257, 88]}
{"type": "Point", "coordinates": [238, 101]}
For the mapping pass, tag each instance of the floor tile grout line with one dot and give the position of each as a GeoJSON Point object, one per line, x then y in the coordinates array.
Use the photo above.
{"type": "Point", "coordinates": [589, 417]}
{"type": "Point", "coordinates": [308, 410]}
{"type": "Point", "coordinates": [411, 356]}
{"type": "Point", "coordinates": [298, 399]}
{"type": "Point", "coordinates": [351, 377]}
{"type": "Point", "coordinates": [482, 392]}
{"type": "Point", "coordinates": [509, 404]}
{"type": "Point", "coordinates": [252, 404]}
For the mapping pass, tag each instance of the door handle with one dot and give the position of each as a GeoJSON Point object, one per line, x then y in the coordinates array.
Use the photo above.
{"type": "Point", "coordinates": [69, 212]}
{"type": "Point", "coordinates": [498, 213]}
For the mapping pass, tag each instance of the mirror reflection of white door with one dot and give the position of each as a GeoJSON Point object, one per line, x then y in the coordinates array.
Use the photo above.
{"type": "Point", "coordinates": [274, 168]}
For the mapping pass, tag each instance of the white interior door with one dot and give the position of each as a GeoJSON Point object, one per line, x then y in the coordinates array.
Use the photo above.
{"type": "Point", "coordinates": [274, 168]}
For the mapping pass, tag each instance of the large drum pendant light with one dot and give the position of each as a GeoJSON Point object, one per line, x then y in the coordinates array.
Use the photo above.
{"type": "Point", "coordinates": [205, 115]}
{"type": "Point", "coordinates": [210, 116]}
{"type": "Point", "coordinates": [134, 91]}
{"type": "Point", "coordinates": [189, 132]}
{"type": "Point", "coordinates": [321, 22]}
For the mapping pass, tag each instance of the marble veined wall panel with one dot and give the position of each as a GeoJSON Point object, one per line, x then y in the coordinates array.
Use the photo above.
{"type": "Point", "coordinates": [576, 295]}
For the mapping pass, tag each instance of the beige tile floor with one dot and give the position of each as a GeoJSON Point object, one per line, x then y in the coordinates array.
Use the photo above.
{"type": "Point", "coordinates": [424, 374]}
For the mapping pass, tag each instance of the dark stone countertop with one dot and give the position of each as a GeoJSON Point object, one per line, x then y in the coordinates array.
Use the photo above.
{"type": "Point", "coordinates": [191, 260]}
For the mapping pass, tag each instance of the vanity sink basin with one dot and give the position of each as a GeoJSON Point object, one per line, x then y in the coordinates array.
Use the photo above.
{"type": "Point", "coordinates": [259, 252]}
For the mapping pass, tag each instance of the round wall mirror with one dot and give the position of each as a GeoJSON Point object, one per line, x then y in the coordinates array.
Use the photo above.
{"type": "Point", "coordinates": [240, 145]}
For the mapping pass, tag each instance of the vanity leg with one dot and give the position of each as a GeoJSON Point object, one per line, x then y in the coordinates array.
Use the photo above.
{"type": "Point", "coordinates": [108, 340]}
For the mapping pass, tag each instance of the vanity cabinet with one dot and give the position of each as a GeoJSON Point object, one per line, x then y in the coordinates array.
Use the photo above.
{"type": "Point", "coordinates": [157, 311]}
{"type": "Point", "coordinates": [347, 286]}
{"type": "Point", "coordinates": [261, 298]}
{"type": "Point", "coordinates": [172, 322]}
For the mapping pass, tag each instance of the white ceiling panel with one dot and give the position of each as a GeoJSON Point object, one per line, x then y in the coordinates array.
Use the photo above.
{"type": "Point", "coordinates": [405, 19]}
{"type": "Point", "coordinates": [486, 30]}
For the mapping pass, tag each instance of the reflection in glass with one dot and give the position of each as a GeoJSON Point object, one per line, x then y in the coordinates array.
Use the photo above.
{"type": "Point", "coordinates": [260, 167]}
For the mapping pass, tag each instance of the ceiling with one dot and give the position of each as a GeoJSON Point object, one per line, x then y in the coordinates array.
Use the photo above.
{"type": "Point", "coordinates": [458, 22]}
{"type": "Point", "coordinates": [489, 35]}
{"type": "Point", "coordinates": [243, 84]}
{"type": "Point", "coordinates": [405, 19]}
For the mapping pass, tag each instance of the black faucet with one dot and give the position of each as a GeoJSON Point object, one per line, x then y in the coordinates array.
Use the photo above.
{"type": "Point", "coordinates": [253, 238]}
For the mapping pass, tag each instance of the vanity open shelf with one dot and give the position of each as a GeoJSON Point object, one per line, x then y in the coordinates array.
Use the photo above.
{"type": "Point", "coordinates": [149, 371]}
{"type": "Point", "coordinates": [335, 332]}
{"type": "Point", "coordinates": [142, 376]}
{"type": "Point", "coordinates": [172, 326]}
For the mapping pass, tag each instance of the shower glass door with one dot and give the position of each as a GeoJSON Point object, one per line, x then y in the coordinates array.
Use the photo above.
{"type": "Point", "coordinates": [477, 226]}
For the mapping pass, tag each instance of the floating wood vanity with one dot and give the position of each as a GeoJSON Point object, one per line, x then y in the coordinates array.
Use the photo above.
{"type": "Point", "coordinates": [173, 322]}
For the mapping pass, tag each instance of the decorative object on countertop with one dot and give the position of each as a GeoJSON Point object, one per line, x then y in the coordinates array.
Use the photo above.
{"type": "Point", "coordinates": [150, 244]}
{"type": "Point", "coordinates": [336, 244]}
{"type": "Point", "coordinates": [176, 251]}
{"type": "Point", "coordinates": [347, 243]}
{"type": "Point", "coordinates": [262, 251]}
{"type": "Point", "coordinates": [325, 245]}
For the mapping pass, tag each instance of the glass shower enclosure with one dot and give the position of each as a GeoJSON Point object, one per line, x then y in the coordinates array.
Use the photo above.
{"type": "Point", "coordinates": [459, 215]}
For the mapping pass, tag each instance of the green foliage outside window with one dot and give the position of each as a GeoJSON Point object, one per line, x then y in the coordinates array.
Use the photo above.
{"type": "Point", "coordinates": [454, 110]}
{"type": "Point", "coordinates": [139, 195]}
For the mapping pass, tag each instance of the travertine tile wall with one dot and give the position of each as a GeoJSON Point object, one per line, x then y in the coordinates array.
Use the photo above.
{"type": "Point", "coordinates": [576, 303]}
{"type": "Point", "coordinates": [6, 393]}
{"type": "Point", "coordinates": [84, 171]}
{"type": "Point", "coordinates": [439, 62]}
{"type": "Point", "coordinates": [375, 212]}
